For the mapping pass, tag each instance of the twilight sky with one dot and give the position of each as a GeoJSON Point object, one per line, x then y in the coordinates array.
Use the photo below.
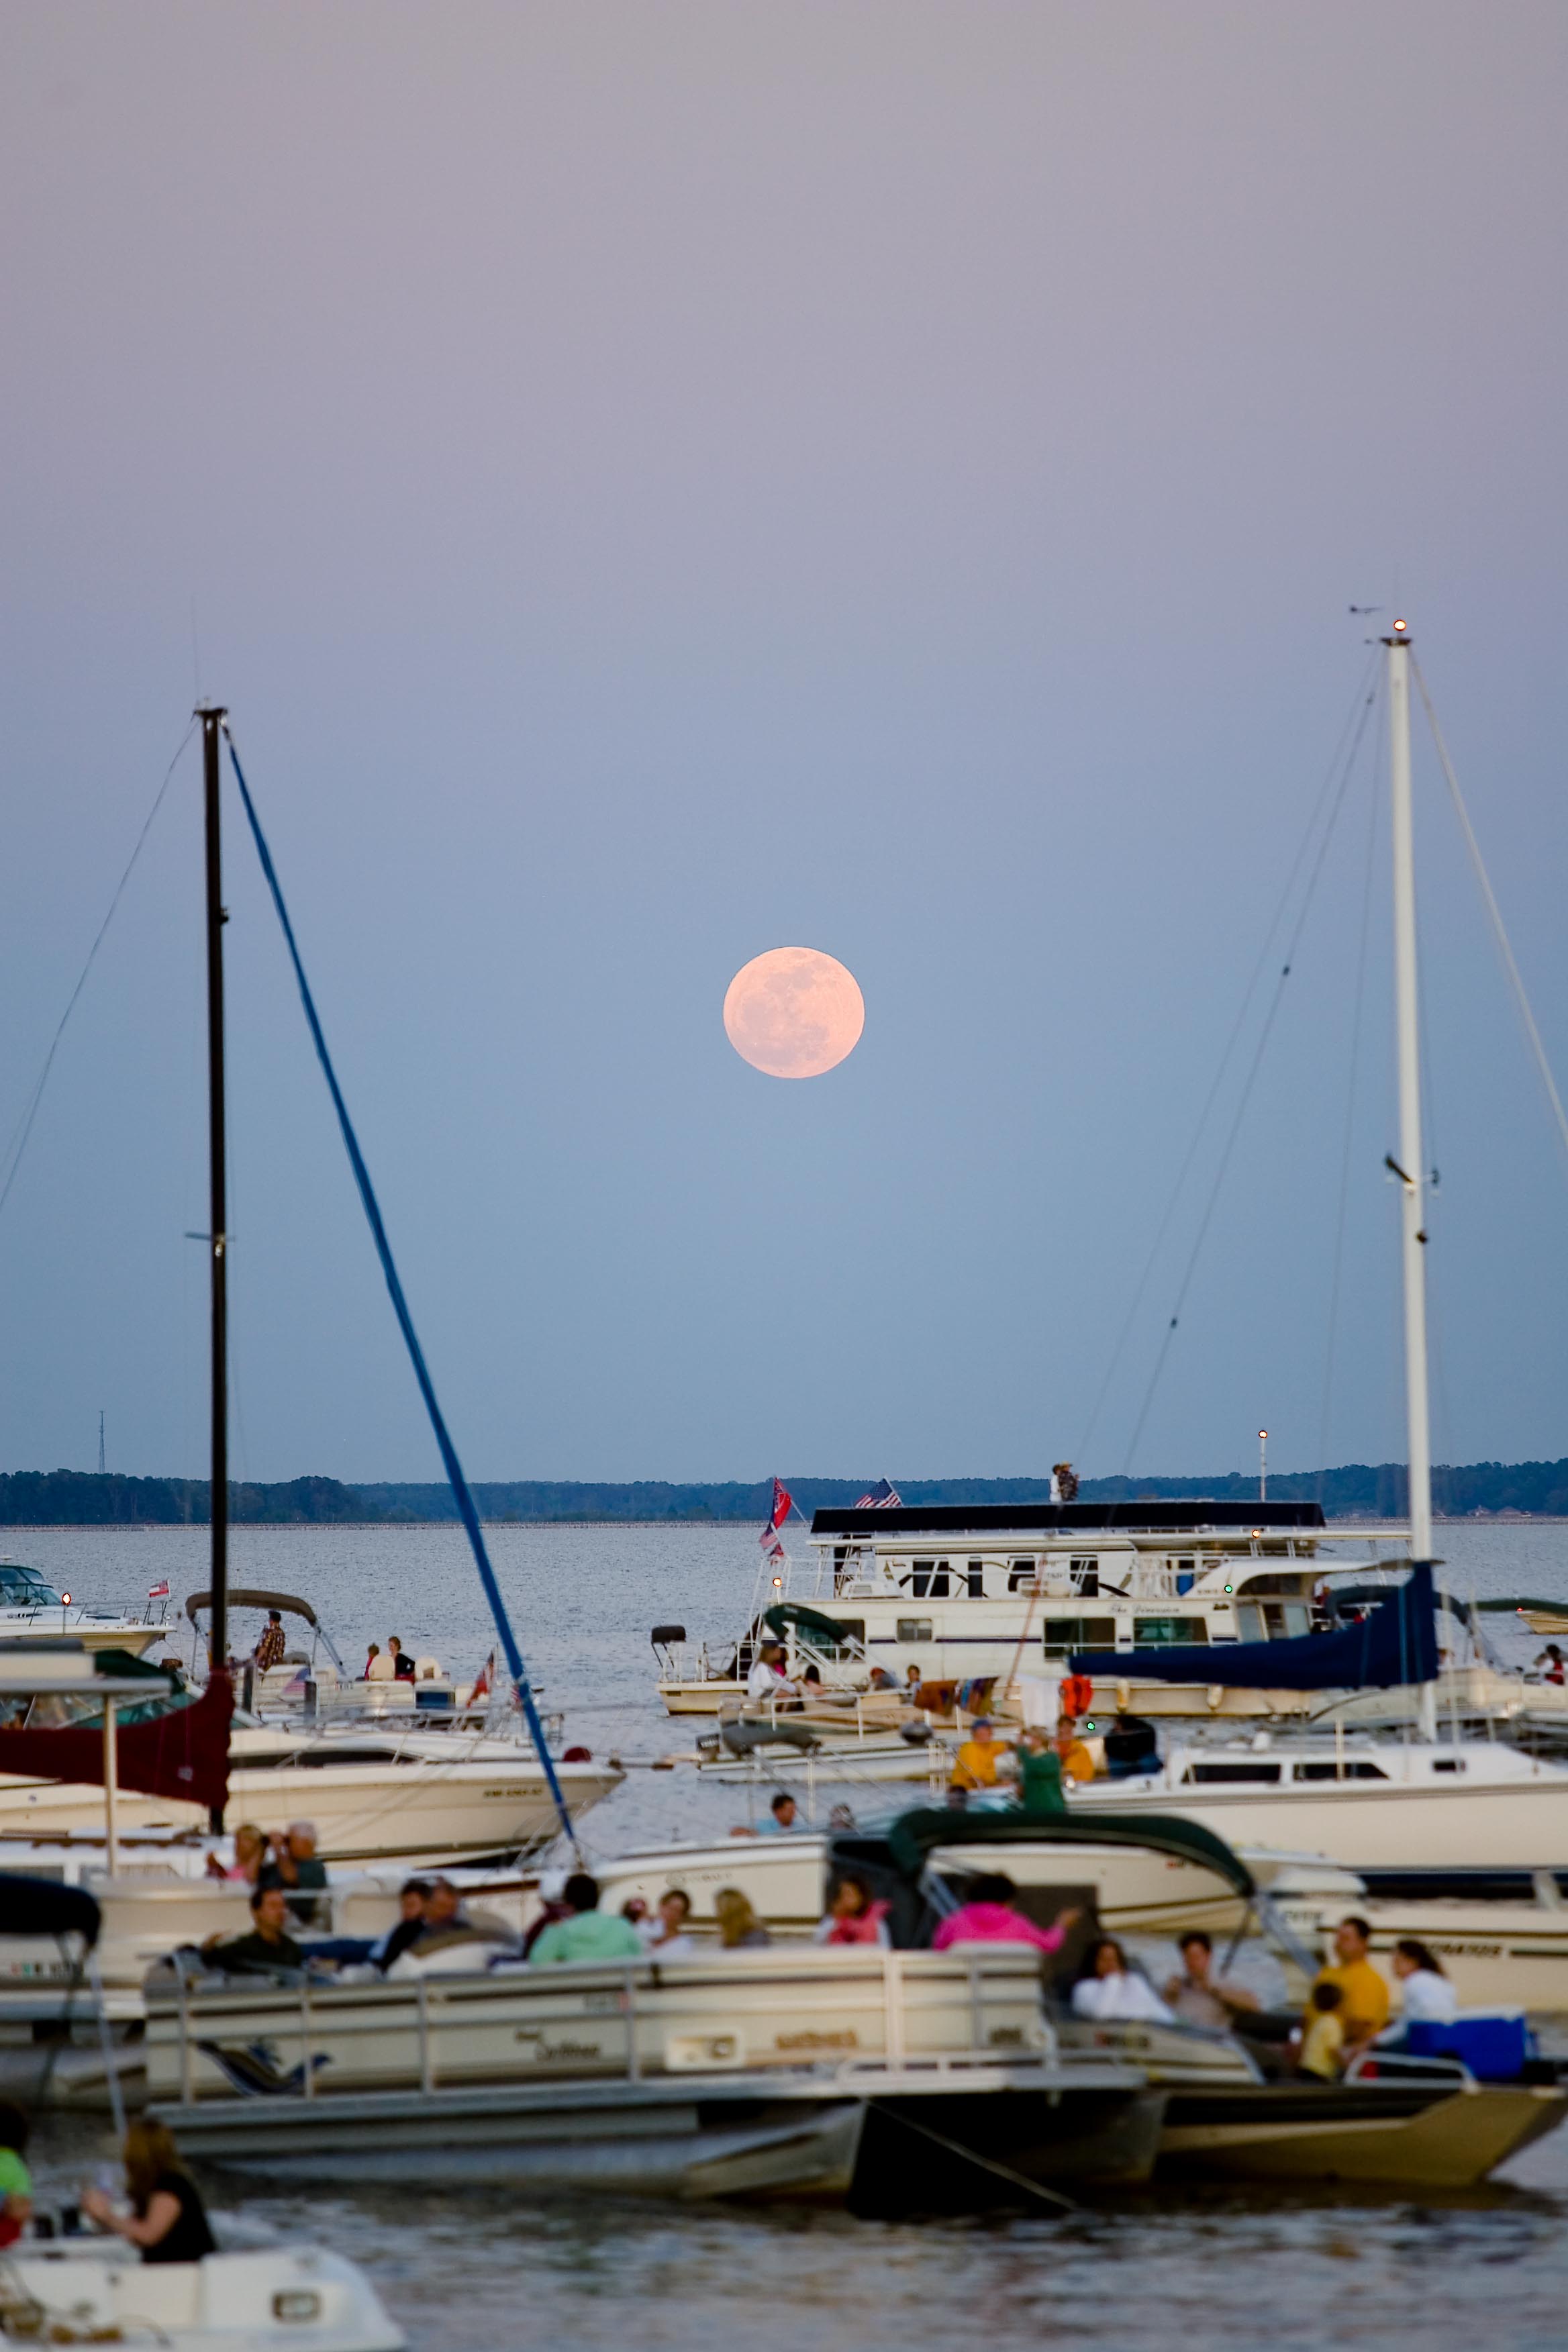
{"type": "Point", "coordinates": [656, 484]}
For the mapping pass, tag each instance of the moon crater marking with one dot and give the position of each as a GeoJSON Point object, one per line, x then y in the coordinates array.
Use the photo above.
{"type": "Point", "coordinates": [793, 1013]}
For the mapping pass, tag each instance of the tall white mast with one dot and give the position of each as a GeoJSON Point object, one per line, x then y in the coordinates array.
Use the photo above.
{"type": "Point", "coordinates": [1412, 1163]}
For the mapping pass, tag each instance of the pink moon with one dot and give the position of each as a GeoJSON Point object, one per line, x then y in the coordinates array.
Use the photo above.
{"type": "Point", "coordinates": [793, 1013]}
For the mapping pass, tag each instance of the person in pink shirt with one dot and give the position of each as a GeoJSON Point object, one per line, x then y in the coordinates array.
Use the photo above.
{"type": "Point", "coordinates": [989, 1918]}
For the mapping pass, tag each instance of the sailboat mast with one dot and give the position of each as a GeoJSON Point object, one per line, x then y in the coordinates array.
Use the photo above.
{"type": "Point", "coordinates": [212, 718]}
{"type": "Point", "coordinates": [1412, 1163]}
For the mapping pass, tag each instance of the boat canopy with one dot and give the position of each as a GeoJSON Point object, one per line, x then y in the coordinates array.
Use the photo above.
{"type": "Point", "coordinates": [42, 1906]}
{"type": "Point", "coordinates": [250, 1596]}
{"type": "Point", "coordinates": [815, 1627]}
{"type": "Point", "coordinates": [914, 1836]}
{"type": "Point", "coordinates": [1395, 1643]}
{"type": "Point", "coordinates": [1153, 1515]}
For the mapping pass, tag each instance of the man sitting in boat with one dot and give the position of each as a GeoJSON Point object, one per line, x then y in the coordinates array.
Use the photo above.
{"type": "Point", "coordinates": [1364, 2008]}
{"type": "Point", "coordinates": [1199, 1998]}
{"type": "Point", "coordinates": [974, 1765]}
{"type": "Point", "coordinates": [1109, 1991]}
{"type": "Point", "coordinates": [268, 1947]}
{"type": "Point", "coordinates": [586, 1933]}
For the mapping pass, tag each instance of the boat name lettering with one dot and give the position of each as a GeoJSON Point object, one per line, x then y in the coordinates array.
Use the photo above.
{"type": "Point", "coordinates": [848, 2039]}
{"type": "Point", "coordinates": [547, 2049]}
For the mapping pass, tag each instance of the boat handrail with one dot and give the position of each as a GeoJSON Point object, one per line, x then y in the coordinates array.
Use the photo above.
{"type": "Point", "coordinates": [428, 2002]}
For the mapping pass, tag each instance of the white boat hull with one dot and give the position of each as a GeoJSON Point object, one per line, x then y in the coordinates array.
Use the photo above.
{"type": "Point", "coordinates": [360, 1811]}
{"type": "Point", "coordinates": [97, 2290]}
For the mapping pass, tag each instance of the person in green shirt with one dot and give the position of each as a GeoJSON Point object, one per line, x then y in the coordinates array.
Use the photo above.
{"type": "Point", "coordinates": [16, 2181]}
{"type": "Point", "coordinates": [586, 1933]}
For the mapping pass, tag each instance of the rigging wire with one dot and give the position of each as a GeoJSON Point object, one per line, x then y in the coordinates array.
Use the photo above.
{"type": "Point", "coordinates": [461, 1493]}
{"type": "Point", "coordinates": [1240, 1023]}
{"type": "Point", "coordinates": [1494, 912]}
{"type": "Point", "coordinates": [12, 1159]}
{"type": "Point", "coordinates": [1251, 1081]}
{"type": "Point", "coordinates": [1256, 1064]}
{"type": "Point", "coordinates": [1374, 802]}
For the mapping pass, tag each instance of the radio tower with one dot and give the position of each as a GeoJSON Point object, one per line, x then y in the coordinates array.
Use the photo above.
{"type": "Point", "coordinates": [101, 1443]}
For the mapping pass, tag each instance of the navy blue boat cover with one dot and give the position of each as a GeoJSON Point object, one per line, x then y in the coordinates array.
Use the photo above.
{"type": "Point", "coordinates": [1395, 1642]}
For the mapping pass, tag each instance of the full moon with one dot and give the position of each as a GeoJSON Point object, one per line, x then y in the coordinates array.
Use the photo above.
{"type": "Point", "coordinates": [793, 1013]}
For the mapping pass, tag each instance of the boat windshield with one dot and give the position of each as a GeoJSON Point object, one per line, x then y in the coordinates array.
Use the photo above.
{"type": "Point", "coordinates": [23, 1588]}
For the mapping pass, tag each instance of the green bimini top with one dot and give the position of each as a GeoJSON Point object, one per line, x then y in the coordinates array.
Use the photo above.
{"type": "Point", "coordinates": [914, 1835]}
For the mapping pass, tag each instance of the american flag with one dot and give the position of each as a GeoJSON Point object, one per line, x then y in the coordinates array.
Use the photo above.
{"type": "Point", "coordinates": [881, 1497]}
{"type": "Point", "coordinates": [783, 1503]}
{"type": "Point", "coordinates": [158, 1591]}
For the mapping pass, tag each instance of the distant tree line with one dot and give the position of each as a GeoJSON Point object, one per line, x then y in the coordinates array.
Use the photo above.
{"type": "Point", "coordinates": [82, 1498]}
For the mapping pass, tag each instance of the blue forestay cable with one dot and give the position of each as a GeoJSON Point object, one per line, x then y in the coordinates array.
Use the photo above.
{"type": "Point", "coordinates": [454, 1468]}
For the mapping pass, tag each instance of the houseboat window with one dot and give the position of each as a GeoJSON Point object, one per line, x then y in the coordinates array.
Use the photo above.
{"type": "Point", "coordinates": [1085, 1575]}
{"type": "Point", "coordinates": [1249, 1624]}
{"type": "Point", "coordinates": [1064, 1634]}
{"type": "Point", "coordinates": [1356, 1768]}
{"type": "Point", "coordinates": [1227, 1773]}
{"type": "Point", "coordinates": [853, 1638]}
{"type": "Point", "coordinates": [1164, 1630]}
{"type": "Point", "coordinates": [1272, 1621]}
{"type": "Point", "coordinates": [1441, 1764]}
{"type": "Point", "coordinates": [977, 1579]}
{"type": "Point", "coordinates": [914, 1629]}
{"type": "Point", "coordinates": [929, 1580]}
{"type": "Point", "coordinates": [1020, 1574]}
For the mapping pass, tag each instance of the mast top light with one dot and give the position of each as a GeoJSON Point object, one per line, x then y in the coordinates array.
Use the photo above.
{"type": "Point", "coordinates": [1399, 628]}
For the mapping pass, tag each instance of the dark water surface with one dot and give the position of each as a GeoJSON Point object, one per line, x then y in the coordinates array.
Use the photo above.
{"type": "Point", "coordinates": [467, 2272]}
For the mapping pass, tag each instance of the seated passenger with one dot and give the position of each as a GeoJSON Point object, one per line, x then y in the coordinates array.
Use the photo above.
{"type": "Point", "coordinates": [269, 1945]}
{"type": "Point", "coordinates": [1323, 2043]}
{"type": "Point", "coordinates": [990, 1918]}
{"type": "Point", "coordinates": [586, 1933]}
{"type": "Point", "coordinates": [299, 1870]}
{"type": "Point", "coordinates": [167, 2219]}
{"type": "Point", "coordinates": [413, 1897]}
{"type": "Point", "coordinates": [854, 1916]}
{"type": "Point", "coordinates": [974, 1765]}
{"type": "Point", "coordinates": [1109, 1991]}
{"type": "Point", "coordinates": [249, 1856]}
{"type": "Point", "coordinates": [1428, 1995]}
{"type": "Point", "coordinates": [1199, 1998]}
{"type": "Point", "coordinates": [1132, 1747]}
{"type": "Point", "coordinates": [1364, 2010]}
{"type": "Point", "coordinates": [1077, 1762]}
{"type": "Point", "coordinates": [768, 1683]}
{"type": "Point", "coordinates": [665, 1936]}
{"type": "Point", "coordinates": [740, 1929]}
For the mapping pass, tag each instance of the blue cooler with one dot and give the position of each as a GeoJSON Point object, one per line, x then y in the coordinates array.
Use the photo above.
{"type": "Point", "coordinates": [1492, 2043]}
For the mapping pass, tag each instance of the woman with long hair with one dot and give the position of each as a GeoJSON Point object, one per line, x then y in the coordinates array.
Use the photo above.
{"type": "Point", "coordinates": [1427, 1994]}
{"type": "Point", "coordinates": [739, 1926]}
{"type": "Point", "coordinates": [167, 2218]}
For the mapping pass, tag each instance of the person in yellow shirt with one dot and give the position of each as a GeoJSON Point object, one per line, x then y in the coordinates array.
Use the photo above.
{"type": "Point", "coordinates": [1077, 1764]}
{"type": "Point", "coordinates": [1363, 1996]}
{"type": "Point", "coordinates": [1323, 2043]}
{"type": "Point", "coordinates": [974, 1765]}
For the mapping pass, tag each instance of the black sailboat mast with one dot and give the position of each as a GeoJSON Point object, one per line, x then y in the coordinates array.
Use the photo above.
{"type": "Point", "coordinates": [212, 718]}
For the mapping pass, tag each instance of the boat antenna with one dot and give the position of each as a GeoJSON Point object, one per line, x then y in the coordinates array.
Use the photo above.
{"type": "Point", "coordinates": [462, 1493]}
{"type": "Point", "coordinates": [212, 715]}
{"type": "Point", "coordinates": [1411, 1168]}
